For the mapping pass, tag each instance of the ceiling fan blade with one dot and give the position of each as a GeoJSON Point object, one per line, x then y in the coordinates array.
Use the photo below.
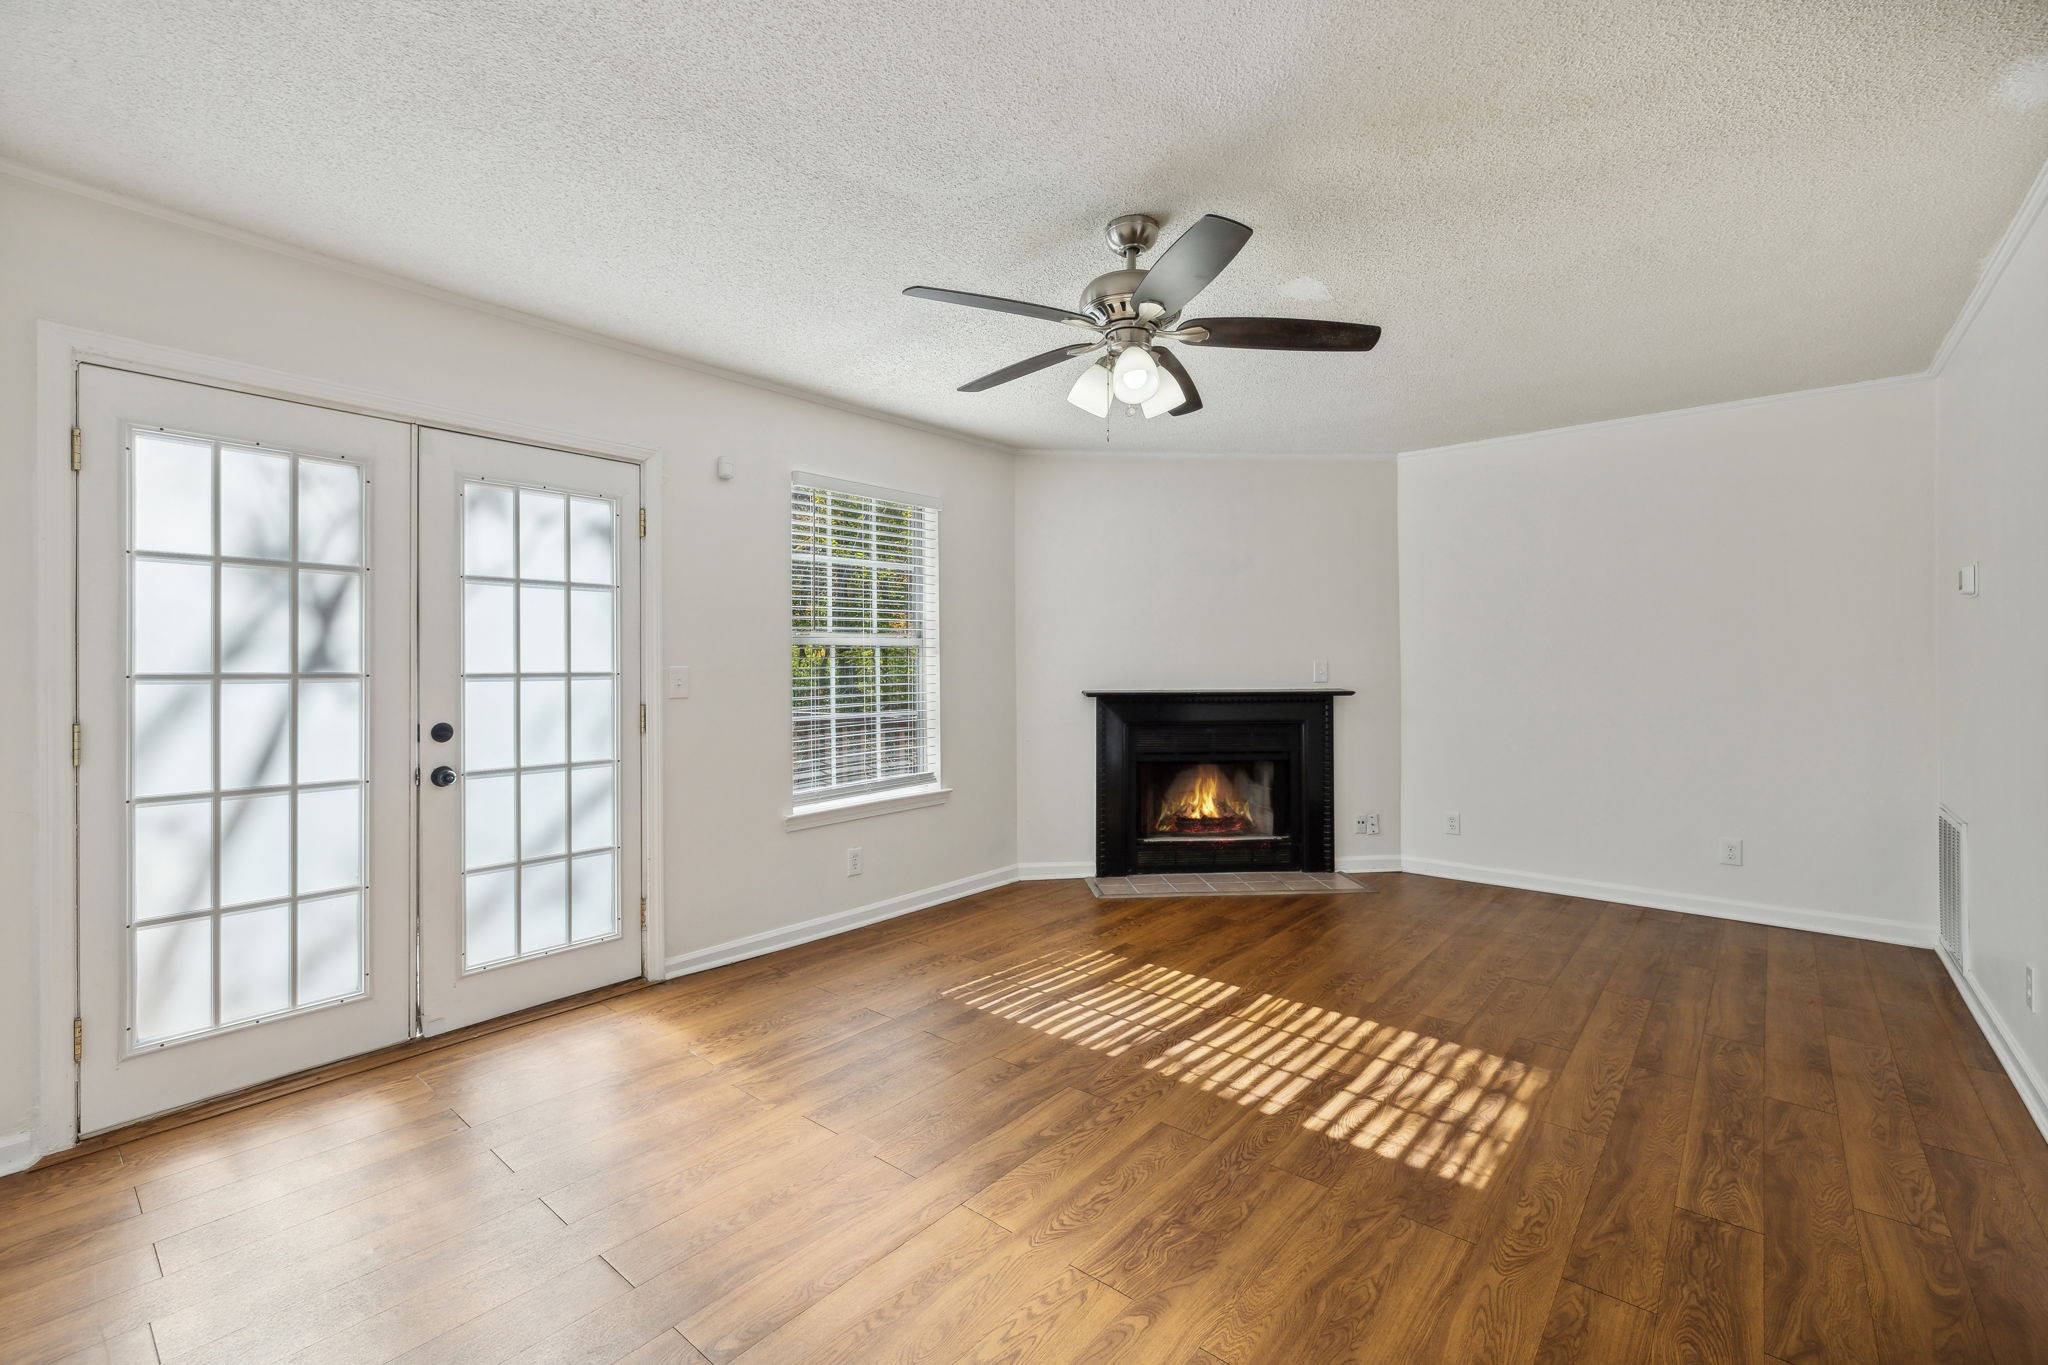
{"type": "Point", "coordinates": [996, 305]}
{"type": "Point", "coordinates": [1170, 363]}
{"type": "Point", "coordinates": [1184, 269]}
{"type": "Point", "coordinates": [1283, 334]}
{"type": "Point", "coordinates": [1024, 367]}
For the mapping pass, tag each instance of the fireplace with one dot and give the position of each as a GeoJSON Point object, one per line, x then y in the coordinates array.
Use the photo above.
{"type": "Point", "coordinates": [1218, 781]}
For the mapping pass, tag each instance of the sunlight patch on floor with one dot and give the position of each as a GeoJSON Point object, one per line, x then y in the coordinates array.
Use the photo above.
{"type": "Point", "coordinates": [1431, 1103]}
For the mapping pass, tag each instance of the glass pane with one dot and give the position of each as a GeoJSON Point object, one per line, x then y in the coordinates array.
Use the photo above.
{"type": "Point", "coordinates": [255, 620]}
{"type": "Point", "coordinates": [255, 849]}
{"type": "Point", "coordinates": [592, 702]}
{"type": "Point", "coordinates": [590, 806]}
{"type": "Point", "coordinates": [543, 907]}
{"type": "Point", "coordinates": [255, 963]}
{"type": "Point", "coordinates": [330, 622]}
{"type": "Point", "coordinates": [487, 629]}
{"type": "Point", "coordinates": [591, 528]}
{"type": "Point", "coordinates": [488, 726]}
{"type": "Point", "coordinates": [488, 915]}
{"type": "Point", "coordinates": [255, 744]}
{"type": "Point", "coordinates": [542, 722]}
{"type": "Point", "coordinates": [487, 531]}
{"type": "Point", "coordinates": [173, 617]}
{"type": "Point", "coordinates": [330, 839]}
{"type": "Point", "coordinates": [590, 631]}
{"type": "Point", "coordinates": [543, 816]}
{"type": "Point", "coordinates": [330, 731]}
{"type": "Point", "coordinates": [173, 979]}
{"type": "Point", "coordinates": [594, 900]}
{"type": "Point", "coordinates": [255, 504]}
{"type": "Point", "coordinates": [543, 641]}
{"type": "Point", "coordinates": [330, 512]}
{"type": "Point", "coordinates": [490, 821]}
{"type": "Point", "coordinates": [330, 948]}
{"type": "Point", "coordinates": [173, 738]}
{"type": "Point", "coordinates": [172, 494]}
{"type": "Point", "coordinates": [543, 545]}
{"type": "Point", "coordinates": [172, 868]}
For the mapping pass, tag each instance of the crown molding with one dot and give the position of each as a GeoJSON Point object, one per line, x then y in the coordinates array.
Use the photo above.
{"type": "Point", "coordinates": [1994, 267]}
{"type": "Point", "coordinates": [1667, 414]}
{"type": "Point", "coordinates": [675, 360]}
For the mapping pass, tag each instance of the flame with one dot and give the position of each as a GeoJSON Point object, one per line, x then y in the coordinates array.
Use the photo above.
{"type": "Point", "coordinates": [1202, 800]}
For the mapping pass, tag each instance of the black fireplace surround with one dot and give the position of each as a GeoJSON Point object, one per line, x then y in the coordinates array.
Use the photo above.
{"type": "Point", "coordinates": [1221, 780]}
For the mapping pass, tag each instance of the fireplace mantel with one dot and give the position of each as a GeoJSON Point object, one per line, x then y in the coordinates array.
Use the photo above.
{"type": "Point", "coordinates": [1221, 694]}
{"type": "Point", "coordinates": [1283, 733]}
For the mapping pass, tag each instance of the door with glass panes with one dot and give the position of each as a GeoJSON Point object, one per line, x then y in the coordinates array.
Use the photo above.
{"type": "Point", "coordinates": [267, 826]}
{"type": "Point", "coordinates": [245, 766]}
{"type": "Point", "coordinates": [530, 716]}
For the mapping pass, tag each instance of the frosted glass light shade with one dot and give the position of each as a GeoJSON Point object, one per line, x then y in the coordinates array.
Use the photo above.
{"type": "Point", "coordinates": [1136, 376]}
{"type": "Point", "coordinates": [1091, 391]}
{"type": "Point", "coordinates": [1167, 399]}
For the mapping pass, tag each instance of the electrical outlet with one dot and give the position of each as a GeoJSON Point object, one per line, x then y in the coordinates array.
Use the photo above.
{"type": "Point", "coordinates": [2030, 990]}
{"type": "Point", "coordinates": [1731, 853]}
{"type": "Point", "coordinates": [1319, 671]}
{"type": "Point", "coordinates": [1365, 824]}
{"type": "Point", "coordinates": [853, 862]}
{"type": "Point", "coordinates": [1452, 824]}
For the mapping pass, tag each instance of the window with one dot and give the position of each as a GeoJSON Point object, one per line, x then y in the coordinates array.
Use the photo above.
{"type": "Point", "coordinates": [864, 639]}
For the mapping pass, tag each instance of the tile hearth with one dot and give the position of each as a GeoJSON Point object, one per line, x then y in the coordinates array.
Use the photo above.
{"type": "Point", "coordinates": [1221, 884]}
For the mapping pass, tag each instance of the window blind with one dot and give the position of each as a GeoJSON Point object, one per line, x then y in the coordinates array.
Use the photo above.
{"type": "Point", "coordinates": [864, 640]}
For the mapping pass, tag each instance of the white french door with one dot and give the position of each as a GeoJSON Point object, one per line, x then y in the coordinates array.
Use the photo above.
{"type": "Point", "coordinates": [244, 656]}
{"type": "Point", "coordinates": [530, 710]}
{"type": "Point", "coordinates": [281, 862]}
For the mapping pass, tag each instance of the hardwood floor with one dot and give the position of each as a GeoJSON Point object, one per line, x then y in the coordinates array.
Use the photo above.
{"type": "Point", "coordinates": [1437, 1122]}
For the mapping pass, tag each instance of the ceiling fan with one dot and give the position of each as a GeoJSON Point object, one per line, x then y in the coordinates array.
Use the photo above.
{"type": "Point", "coordinates": [1131, 310]}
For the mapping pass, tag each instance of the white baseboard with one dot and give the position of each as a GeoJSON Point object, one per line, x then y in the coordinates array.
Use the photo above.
{"type": "Point", "coordinates": [1053, 872]}
{"type": "Point", "coordinates": [773, 940]}
{"type": "Point", "coordinates": [2021, 1071]}
{"type": "Point", "coordinates": [17, 1152]}
{"type": "Point", "coordinates": [1374, 862]}
{"type": "Point", "coordinates": [1750, 912]}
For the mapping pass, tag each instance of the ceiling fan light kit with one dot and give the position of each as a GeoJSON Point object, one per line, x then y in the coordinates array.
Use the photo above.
{"type": "Point", "coordinates": [1132, 310]}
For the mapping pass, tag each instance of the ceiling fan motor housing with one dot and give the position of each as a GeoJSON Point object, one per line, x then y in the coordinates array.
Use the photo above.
{"type": "Point", "coordinates": [1107, 299]}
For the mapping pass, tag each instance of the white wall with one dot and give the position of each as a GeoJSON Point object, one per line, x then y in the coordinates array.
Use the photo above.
{"type": "Point", "coordinates": [1622, 643]}
{"type": "Point", "coordinates": [733, 868]}
{"type": "Point", "coordinates": [1993, 477]}
{"type": "Point", "coordinates": [1198, 572]}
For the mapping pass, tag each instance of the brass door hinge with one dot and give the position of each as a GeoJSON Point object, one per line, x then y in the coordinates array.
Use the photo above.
{"type": "Point", "coordinates": [643, 912]}
{"type": "Point", "coordinates": [643, 717]}
{"type": "Point", "coordinates": [77, 1040]}
{"type": "Point", "coordinates": [77, 450]}
{"type": "Point", "coordinates": [643, 523]}
{"type": "Point", "coordinates": [77, 743]}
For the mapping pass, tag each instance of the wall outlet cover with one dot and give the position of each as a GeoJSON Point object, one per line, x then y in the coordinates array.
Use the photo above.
{"type": "Point", "coordinates": [1731, 853]}
{"type": "Point", "coordinates": [853, 862]}
{"type": "Point", "coordinates": [1453, 824]}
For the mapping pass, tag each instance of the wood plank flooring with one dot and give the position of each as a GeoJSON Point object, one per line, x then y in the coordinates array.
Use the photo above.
{"type": "Point", "coordinates": [1436, 1122]}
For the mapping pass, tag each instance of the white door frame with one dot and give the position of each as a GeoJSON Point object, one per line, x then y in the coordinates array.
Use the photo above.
{"type": "Point", "coordinates": [54, 951]}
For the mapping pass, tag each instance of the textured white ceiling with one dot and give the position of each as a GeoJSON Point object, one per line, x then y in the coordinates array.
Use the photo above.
{"type": "Point", "coordinates": [1559, 210]}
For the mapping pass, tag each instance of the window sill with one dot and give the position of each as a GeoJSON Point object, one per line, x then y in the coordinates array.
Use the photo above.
{"type": "Point", "coordinates": [861, 807]}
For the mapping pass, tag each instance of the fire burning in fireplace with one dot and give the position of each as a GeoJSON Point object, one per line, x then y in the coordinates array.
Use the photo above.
{"type": "Point", "coordinates": [1203, 799]}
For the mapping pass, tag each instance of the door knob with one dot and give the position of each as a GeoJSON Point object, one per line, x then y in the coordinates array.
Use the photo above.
{"type": "Point", "coordinates": [442, 732]}
{"type": "Point", "coordinates": [443, 776]}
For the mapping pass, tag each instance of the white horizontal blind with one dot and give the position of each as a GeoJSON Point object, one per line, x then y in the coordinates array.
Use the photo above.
{"type": "Point", "coordinates": [864, 641]}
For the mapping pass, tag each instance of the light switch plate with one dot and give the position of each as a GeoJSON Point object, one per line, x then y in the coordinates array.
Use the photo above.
{"type": "Point", "coordinates": [679, 681]}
